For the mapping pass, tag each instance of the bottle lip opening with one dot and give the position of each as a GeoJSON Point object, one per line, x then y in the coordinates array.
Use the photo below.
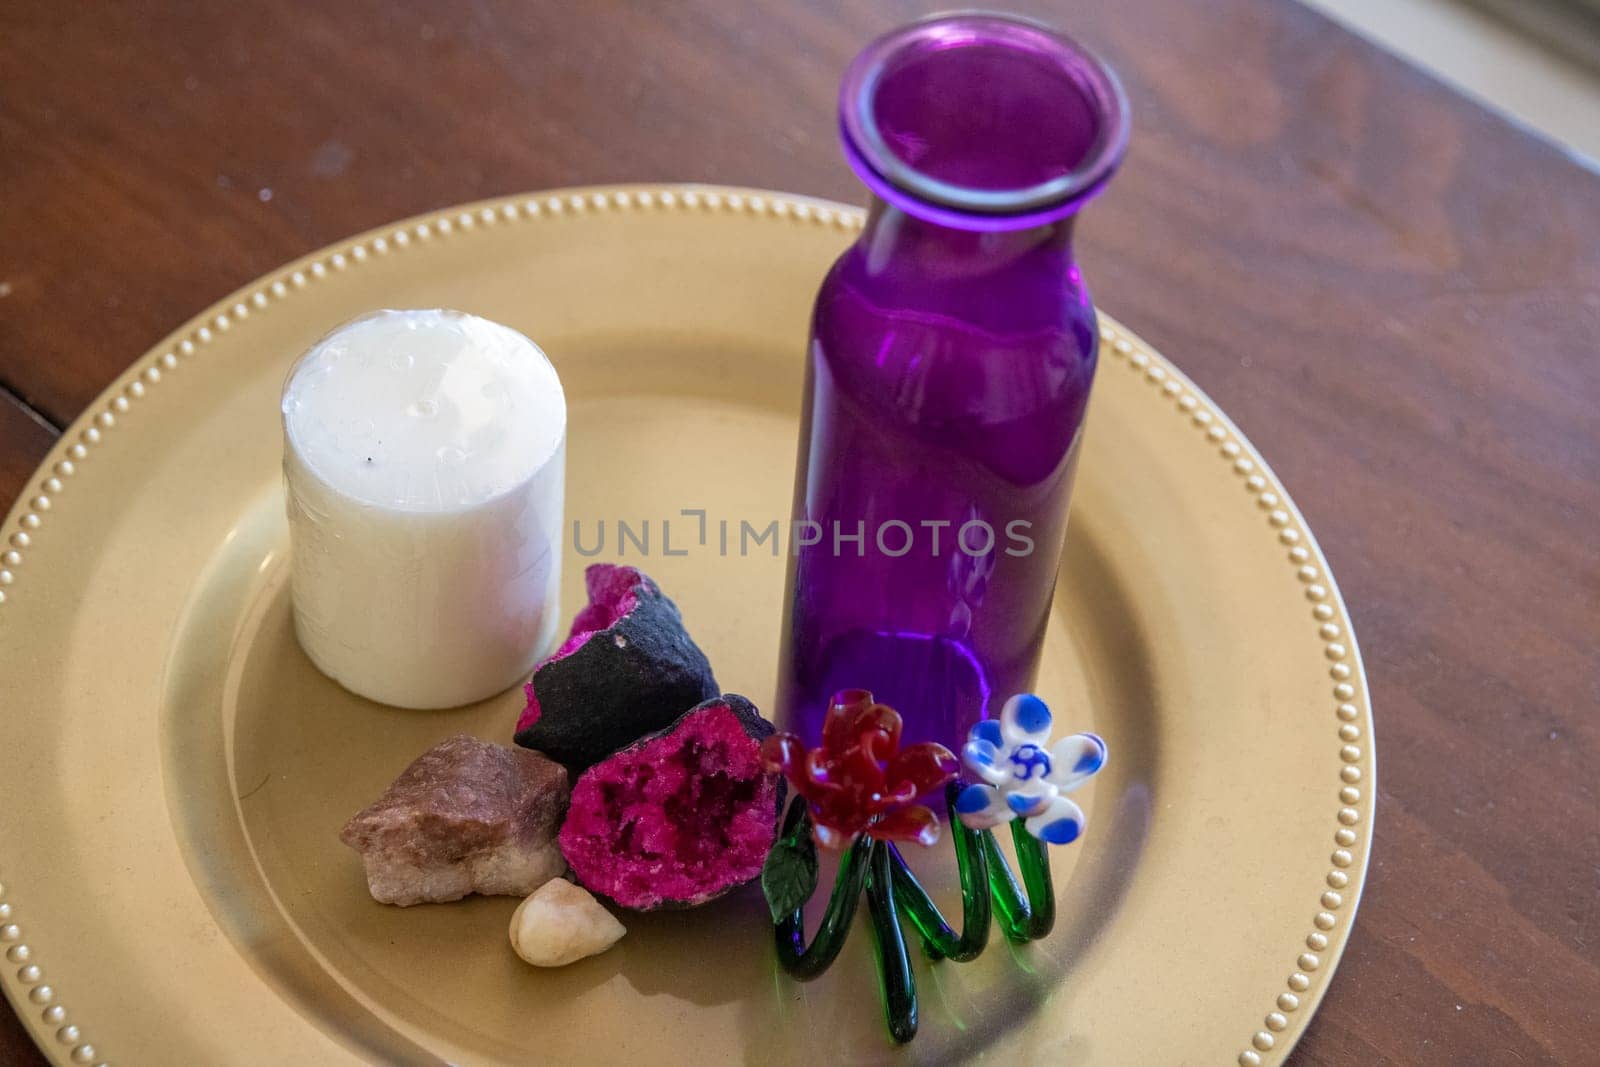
{"type": "Point", "coordinates": [895, 179]}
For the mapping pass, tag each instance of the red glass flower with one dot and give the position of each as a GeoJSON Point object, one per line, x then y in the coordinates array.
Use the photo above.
{"type": "Point", "coordinates": [860, 780]}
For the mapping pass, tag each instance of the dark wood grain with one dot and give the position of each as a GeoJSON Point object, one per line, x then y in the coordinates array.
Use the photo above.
{"type": "Point", "coordinates": [1395, 293]}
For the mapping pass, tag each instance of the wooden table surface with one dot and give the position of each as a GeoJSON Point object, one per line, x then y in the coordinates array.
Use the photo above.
{"type": "Point", "coordinates": [1395, 293]}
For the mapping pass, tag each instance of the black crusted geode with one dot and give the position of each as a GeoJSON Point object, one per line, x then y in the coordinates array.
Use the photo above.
{"type": "Point", "coordinates": [628, 668]}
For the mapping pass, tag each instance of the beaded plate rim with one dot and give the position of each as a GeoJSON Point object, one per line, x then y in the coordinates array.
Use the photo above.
{"type": "Point", "coordinates": [39, 1003]}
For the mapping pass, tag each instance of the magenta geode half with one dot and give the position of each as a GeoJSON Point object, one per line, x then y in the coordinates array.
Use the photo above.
{"type": "Point", "coordinates": [628, 667]}
{"type": "Point", "coordinates": [680, 817]}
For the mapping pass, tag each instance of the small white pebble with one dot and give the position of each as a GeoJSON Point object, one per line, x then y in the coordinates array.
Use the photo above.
{"type": "Point", "coordinates": [562, 923]}
{"type": "Point", "coordinates": [264, 195]}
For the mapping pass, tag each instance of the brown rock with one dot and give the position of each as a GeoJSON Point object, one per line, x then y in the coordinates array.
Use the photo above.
{"type": "Point", "coordinates": [466, 817]}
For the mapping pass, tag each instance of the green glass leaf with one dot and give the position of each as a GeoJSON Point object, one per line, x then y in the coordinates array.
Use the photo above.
{"type": "Point", "coordinates": [789, 876]}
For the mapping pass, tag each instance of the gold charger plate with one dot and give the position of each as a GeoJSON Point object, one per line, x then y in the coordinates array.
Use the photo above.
{"type": "Point", "coordinates": [173, 772]}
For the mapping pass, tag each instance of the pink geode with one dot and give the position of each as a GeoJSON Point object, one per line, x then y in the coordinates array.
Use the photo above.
{"type": "Point", "coordinates": [679, 817]}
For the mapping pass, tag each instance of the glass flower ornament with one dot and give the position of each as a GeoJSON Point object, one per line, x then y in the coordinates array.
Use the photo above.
{"type": "Point", "coordinates": [1024, 776]}
{"type": "Point", "coordinates": [859, 780]}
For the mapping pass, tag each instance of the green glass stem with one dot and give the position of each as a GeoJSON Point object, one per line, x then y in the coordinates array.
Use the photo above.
{"type": "Point", "coordinates": [1022, 918]}
{"type": "Point", "coordinates": [939, 941]}
{"type": "Point", "coordinates": [898, 986]}
{"type": "Point", "coordinates": [876, 868]}
{"type": "Point", "coordinates": [803, 961]}
{"type": "Point", "coordinates": [1033, 856]}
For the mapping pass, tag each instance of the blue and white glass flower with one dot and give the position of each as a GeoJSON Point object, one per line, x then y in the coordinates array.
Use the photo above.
{"type": "Point", "coordinates": [1024, 776]}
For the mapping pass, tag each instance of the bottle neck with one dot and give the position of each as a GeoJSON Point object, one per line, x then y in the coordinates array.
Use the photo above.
{"type": "Point", "coordinates": [895, 235]}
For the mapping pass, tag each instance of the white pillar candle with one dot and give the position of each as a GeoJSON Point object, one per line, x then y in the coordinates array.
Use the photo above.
{"type": "Point", "coordinates": [424, 459]}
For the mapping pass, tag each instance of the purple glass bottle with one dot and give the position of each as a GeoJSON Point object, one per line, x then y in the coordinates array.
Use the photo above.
{"type": "Point", "coordinates": [953, 347]}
